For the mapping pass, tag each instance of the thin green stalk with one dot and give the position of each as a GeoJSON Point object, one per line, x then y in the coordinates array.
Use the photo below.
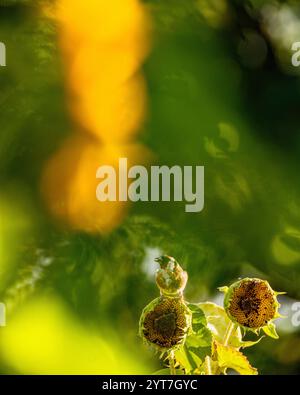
{"type": "Point", "coordinates": [208, 365]}
{"type": "Point", "coordinates": [172, 363]}
{"type": "Point", "coordinates": [230, 328]}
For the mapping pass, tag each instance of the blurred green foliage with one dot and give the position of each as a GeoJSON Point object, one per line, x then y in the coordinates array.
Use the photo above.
{"type": "Point", "coordinates": [208, 106]}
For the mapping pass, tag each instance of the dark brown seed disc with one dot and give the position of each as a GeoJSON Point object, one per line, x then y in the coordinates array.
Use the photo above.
{"type": "Point", "coordinates": [165, 325]}
{"type": "Point", "coordinates": [252, 304]}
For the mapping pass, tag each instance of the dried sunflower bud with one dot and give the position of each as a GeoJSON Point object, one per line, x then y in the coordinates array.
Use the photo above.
{"type": "Point", "coordinates": [171, 279]}
{"type": "Point", "coordinates": [251, 303]}
{"type": "Point", "coordinates": [165, 323]}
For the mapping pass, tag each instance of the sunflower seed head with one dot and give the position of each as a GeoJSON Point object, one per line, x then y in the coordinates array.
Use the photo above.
{"type": "Point", "coordinates": [165, 323]}
{"type": "Point", "coordinates": [251, 303]}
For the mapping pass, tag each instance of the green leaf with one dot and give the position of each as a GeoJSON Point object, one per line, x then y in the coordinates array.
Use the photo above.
{"type": "Point", "coordinates": [185, 359]}
{"type": "Point", "coordinates": [244, 344]}
{"type": "Point", "coordinates": [199, 327]}
{"type": "Point", "coordinates": [230, 358]}
{"type": "Point", "coordinates": [209, 367]}
{"type": "Point", "coordinates": [270, 330]}
{"type": "Point", "coordinates": [218, 322]}
{"type": "Point", "coordinates": [200, 340]}
{"type": "Point", "coordinates": [198, 343]}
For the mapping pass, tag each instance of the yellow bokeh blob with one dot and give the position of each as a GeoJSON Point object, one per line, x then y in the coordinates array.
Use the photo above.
{"type": "Point", "coordinates": [69, 183]}
{"type": "Point", "coordinates": [114, 114]}
{"type": "Point", "coordinates": [44, 336]}
{"type": "Point", "coordinates": [102, 21]}
{"type": "Point", "coordinates": [103, 66]}
{"type": "Point", "coordinates": [104, 44]}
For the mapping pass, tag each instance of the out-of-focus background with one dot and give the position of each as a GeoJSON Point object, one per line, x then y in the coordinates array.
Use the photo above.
{"type": "Point", "coordinates": [185, 82]}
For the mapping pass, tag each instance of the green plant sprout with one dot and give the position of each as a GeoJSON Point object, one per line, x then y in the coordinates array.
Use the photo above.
{"type": "Point", "coordinates": [204, 338]}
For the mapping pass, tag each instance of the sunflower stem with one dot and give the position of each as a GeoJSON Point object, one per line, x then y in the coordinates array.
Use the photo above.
{"type": "Point", "coordinates": [172, 363]}
{"type": "Point", "coordinates": [208, 365]}
{"type": "Point", "coordinates": [229, 330]}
